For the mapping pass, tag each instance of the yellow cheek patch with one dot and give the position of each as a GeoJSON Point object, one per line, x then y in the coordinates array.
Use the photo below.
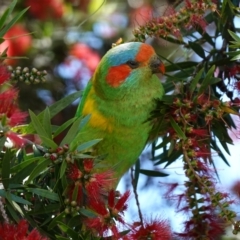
{"type": "Point", "coordinates": [97, 119]}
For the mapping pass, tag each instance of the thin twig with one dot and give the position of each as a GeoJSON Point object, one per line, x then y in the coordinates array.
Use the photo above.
{"type": "Point", "coordinates": [136, 197]}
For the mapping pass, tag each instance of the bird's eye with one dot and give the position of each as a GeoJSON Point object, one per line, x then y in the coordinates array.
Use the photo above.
{"type": "Point", "coordinates": [132, 64]}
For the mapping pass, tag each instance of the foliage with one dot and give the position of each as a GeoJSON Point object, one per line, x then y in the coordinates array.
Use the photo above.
{"type": "Point", "coordinates": [51, 181]}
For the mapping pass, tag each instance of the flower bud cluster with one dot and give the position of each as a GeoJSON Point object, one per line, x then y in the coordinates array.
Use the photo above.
{"type": "Point", "coordinates": [26, 75]}
{"type": "Point", "coordinates": [194, 116]}
{"type": "Point", "coordinates": [189, 16]}
{"type": "Point", "coordinates": [59, 154]}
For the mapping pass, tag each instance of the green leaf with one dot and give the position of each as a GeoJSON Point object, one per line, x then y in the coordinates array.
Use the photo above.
{"type": "Point", "coordinates": [66, 229]}
{"type": "Point", "coordinates": [23, 173]}
{"type": "Point", "coordinates": [197, 49]}
{"type": "Point", "coordinates": [44, 193]}
{"type": "Point", "coordinates": [171, 147]}
{"type": "Point", "coordinates": [195, 81]}
{"type": "Point", "coordinates": [12, 22]}
{"type": "Point", "coordinates": [47, 122]}
{"type": "Point", "coordinates": [165, 141]}
{"type": "Point", "coordinates": [56, 220]}
{"type": "Point", "coordinates": [14, 204]}
{"type": "Point", "coordinates": [64, 126]}
{"type": "Point", "coordinates": [88, 213]}
{"type": "Point", "coordinates": [72, 132]}
{"type": "Point", "coordinates": [61, 238]}
{"type": "Point", "coordinates": [37, 125]}
{"type": "Point", "coordinates": [51, 208]}
{"type": "Point", "coordinates": [12, 212]}
{"type": "Point", "coordinates": [8, 155]}
{"type": "Point", "coordinates": [234, 36]}
{"type": "Point", "coordinates": [25, 163]}
{"type": "Point", "coordinates": [54, 109]}
{"type": "Point", "coordinates": [88, 144]}
{"type": "Point", "coordinates": [84, 121]}
{"type": "Point", "coordinates": [48, 142]}
{"type": "Point", "coordinates": [18, 199]}
{"type": "Point", "coordinates": [41, 167]}
{"type": "Point", "coordinates": [153, 173]}
{"type": "Point", "coordinates": [207, 80]}
{"type": "Point", "coordinates": [136, 173]}
{"type": "Point", "coordinates": [63, 169]}
{"type": "Point", "coordinates": [4, 17]}
{"type": "Point", "coordinates": [219, 152]}
{"type": "Point", "coordinates": [2, 141]}
{"type": "Point", "coordinates": [177, 129]}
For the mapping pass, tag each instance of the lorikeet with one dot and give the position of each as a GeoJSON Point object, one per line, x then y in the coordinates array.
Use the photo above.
{"type": "Point", "coordinates": [120, 98]}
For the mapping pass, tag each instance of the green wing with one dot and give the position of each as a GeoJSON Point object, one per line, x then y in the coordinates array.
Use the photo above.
{"type": "Point", "coordinates": [82, 102]}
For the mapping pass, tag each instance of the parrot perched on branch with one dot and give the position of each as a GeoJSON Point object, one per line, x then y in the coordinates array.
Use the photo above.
{"type": "Point", "coordinates": [120, 98]}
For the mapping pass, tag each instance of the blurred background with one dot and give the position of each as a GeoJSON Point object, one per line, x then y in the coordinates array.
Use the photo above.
{"type": "Point", "coordinates": [67, 38]}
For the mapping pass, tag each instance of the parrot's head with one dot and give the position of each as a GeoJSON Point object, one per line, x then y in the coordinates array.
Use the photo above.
{"type": "Point", "coordinates": [125, 68]}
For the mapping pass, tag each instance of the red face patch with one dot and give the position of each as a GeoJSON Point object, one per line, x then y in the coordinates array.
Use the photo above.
{"type": "Point", "coordinates": [117, 75]}
{"type": "Point", "coordinates": [145, 53]}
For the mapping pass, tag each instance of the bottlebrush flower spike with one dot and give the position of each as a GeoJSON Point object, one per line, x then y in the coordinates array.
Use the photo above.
{"type": "Point", "coordinates": [108, 215]}
{"type": "Point", "coordinates": [98, 183]}
{"type": "Point", "coordinates": [153, 229]}
{"type": "Point", "coordinates": [17, 140]}
{"type": "Point", "coordinates": [18, 232]}
{"type": "Point", "coordinates": [4, 74]}
{"type": "Point", "coordinates": [74, 172]}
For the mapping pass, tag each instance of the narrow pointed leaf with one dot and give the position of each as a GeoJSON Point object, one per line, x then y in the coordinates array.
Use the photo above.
{"type": "Point", "coordinates": [64, 126]}
{"type": "Point", "coordinates": [12, 22]}
{"type": "Point", "coordinates": [6, 168]}
{"type": "Point", "coordinates": [47, 123]}
{"type": "Point", "coordinates": [72, 132]}
{"type": "Point", "coordinates": [63, 169]}
{"type": "Point", "coordinates": [88, 144]}
{"type": "Point", "coordinates": [197, 49]}
{"type": "Point", "coordinates": [41, 167]}
{"type": "Point", "coordinates": [55, 220]}
{"type": "Point", "coordinates": [177, 129]}
{"type": "Point", "coordinates": [153, 173]}
{"type": "Point", "coordinates": [207, 80]}
{"type": "Point", "coordinates": [54, 109]}
{"type": "Point", "coordinates": [195, 81]}
{"type": "Point", "coordinates": [44, 193]}
{"type": "Point", "coordinates": [37, 125]}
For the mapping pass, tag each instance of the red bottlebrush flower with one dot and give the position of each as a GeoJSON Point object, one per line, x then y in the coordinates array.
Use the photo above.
{"type": "Point", "coordinates": [17, 118]}
{"type": "Point", "coordinates": [120, 205]}
{"type": "Point", "coordinates": [16, 139]}
{"type": "Point", "coordinates": [188, 4]}
{"type": "Point", "coordinates": [18, 41]}
{"type": "Point", "coordinates": [98, 183]}
{"type": "Point", "coordinates": [208, 227]}
{"type": "Point", "coordinates": [88, 165]}
{"type": "Point", "coordinates": [45, 9]}
{"type": "Point", "coordinates": [200, 132]}
{"type": "Point", "coordinates": [108, 215]}
{"type": "Point", "coordinates": [236, 188]}
{"type": "Point", "coordinates": [18, 232]}
{"type": "Point", "coordinates": [154, 229]}
{"type": "Point", "coordinates": [198, 20]}
{"type": "Point", "coordinates": [74, 172]}
{"type": "Point", "coordinates": [4, 74]}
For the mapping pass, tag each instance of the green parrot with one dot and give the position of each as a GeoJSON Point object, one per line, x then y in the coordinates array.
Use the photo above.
{"type": "Point", "coordinates": [119, 99]}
